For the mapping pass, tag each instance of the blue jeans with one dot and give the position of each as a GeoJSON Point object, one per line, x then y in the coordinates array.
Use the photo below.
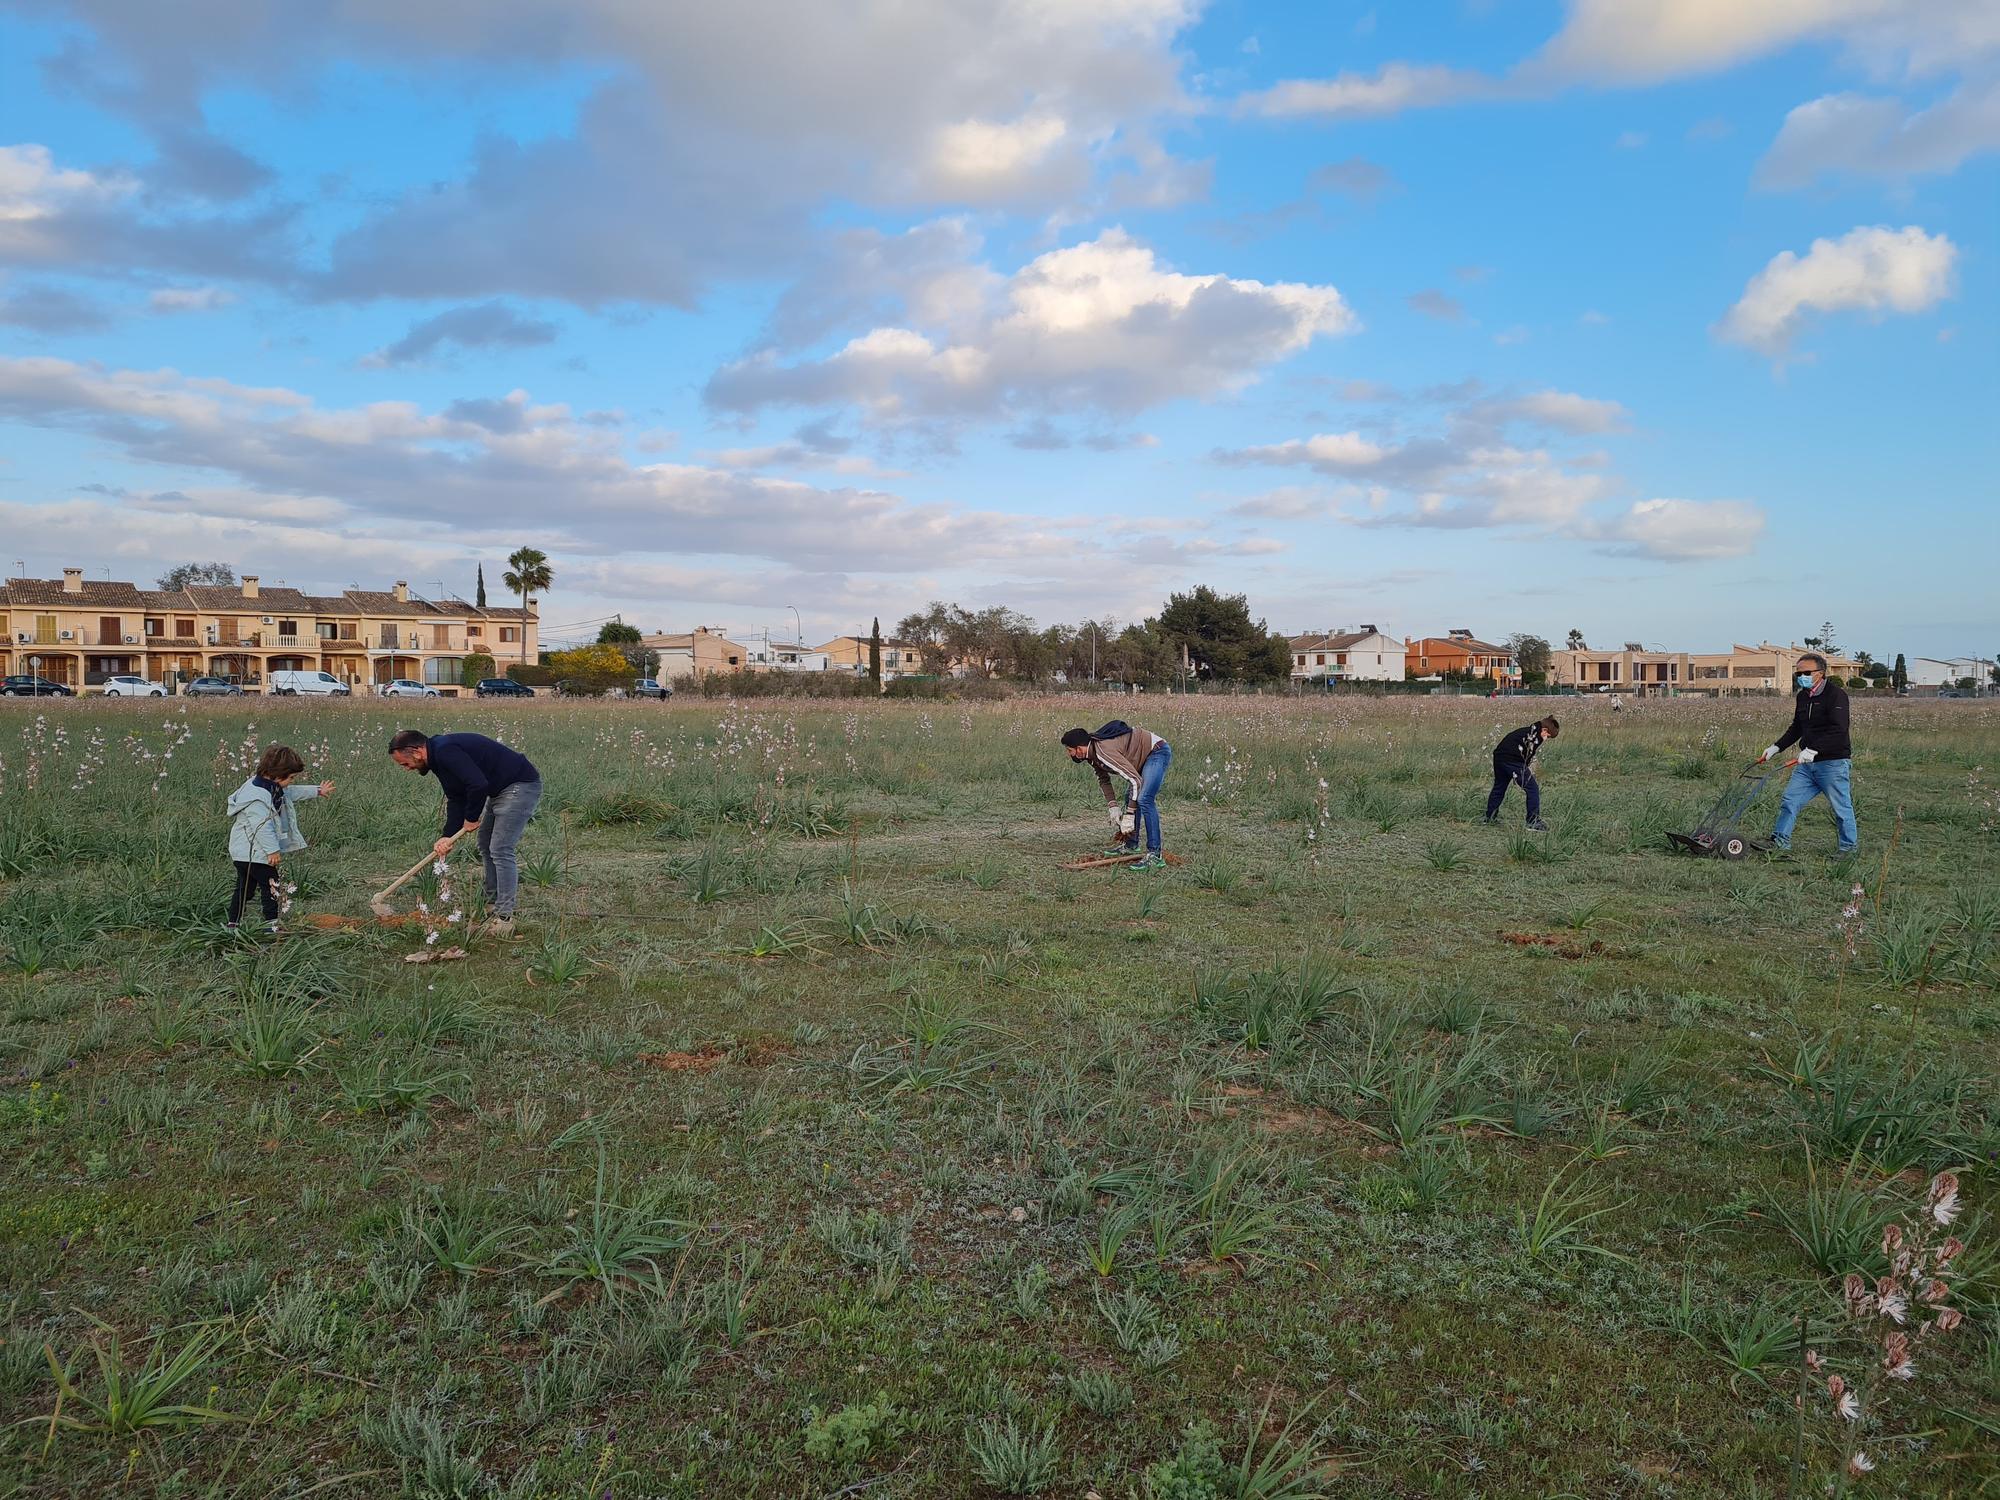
{"type": "Point", "coordinates": [1820, 778]}
{"type": "Point", "coordinates": [500, 828]}
{"type": "Point", "coordinates": [1505, 773]}
{"type": "Point", "coordinates": [1151, 774]}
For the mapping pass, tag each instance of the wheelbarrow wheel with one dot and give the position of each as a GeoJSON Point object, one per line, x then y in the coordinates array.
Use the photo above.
{"type": "Point", "coordinates": [1734, 848]}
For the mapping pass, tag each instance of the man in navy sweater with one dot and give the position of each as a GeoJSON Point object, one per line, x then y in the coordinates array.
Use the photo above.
{"type": "Point", "coordinates": [486, 786]}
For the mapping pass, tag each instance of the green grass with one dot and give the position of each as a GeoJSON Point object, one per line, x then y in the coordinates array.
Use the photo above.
{"type": "Point", "coordinates": [818, 1134]}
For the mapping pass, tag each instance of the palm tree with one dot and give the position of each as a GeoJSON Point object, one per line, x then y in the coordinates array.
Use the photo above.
{"type": "Point", "coordinates": [527, 573]}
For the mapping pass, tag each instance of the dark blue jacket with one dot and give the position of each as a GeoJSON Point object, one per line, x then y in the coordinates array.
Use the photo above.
{"type": "Point", "coordinates": [470, 768]}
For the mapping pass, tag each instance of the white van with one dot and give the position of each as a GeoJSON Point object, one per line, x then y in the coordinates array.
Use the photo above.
{"type": "Point", "coordinates": [306, 684]}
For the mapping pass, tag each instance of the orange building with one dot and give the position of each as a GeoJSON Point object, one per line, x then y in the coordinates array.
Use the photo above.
{"type": "Point", "coordinates": [1459, 653]}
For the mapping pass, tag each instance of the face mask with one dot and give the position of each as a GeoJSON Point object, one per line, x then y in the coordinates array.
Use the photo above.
{"type": "Point", "coordinates": [1804, 679]}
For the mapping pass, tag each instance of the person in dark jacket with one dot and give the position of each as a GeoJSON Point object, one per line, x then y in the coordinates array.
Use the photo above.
{"type": "Point", "coordinates": [1139, 759]}
{"type": "Point", "coordinates": [1514, 760]}
{"type": "Point", "coordinates": [1819, 729]}
{"type": "Point", "coordinates": [487, 786]}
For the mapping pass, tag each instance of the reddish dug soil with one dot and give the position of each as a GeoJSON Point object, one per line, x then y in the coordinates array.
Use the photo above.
{"type": "Point", "coordinates": [698, 1061]}
{"type": "Point", "coordinates": [757, 1052]}
{"type": "Point", "coordinates": [327, 922]}
{"type": "Point", "coordinates": [1562, 946]}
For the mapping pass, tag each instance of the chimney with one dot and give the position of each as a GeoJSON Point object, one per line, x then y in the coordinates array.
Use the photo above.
{"type": "Point", "coordinates": [72, 580]}
{"type": "Point", "coordinates": [249, 585]}
{"type": "Point", "coordinates": [402, 591]}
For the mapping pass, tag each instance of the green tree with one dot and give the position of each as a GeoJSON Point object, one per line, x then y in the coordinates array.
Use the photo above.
{"type": "Point", "coordinates": [1899, 675]}
{"type": "Point", "coordinates": [1876, 673]}
{"type": "Point", "coordinates": [480, 601]}
{"type": "Point", "coordinates": [1531, 656]}
{"type": "Point", "coordinates": [1138, 653]}
{"type": "Point", "coordinates": [617, 633]}
{"type": "Point", "coordinates": [214, 575]}
{"type": "Point", "coordinates": [474, 668]}
{"type": "Point", "coordinates": [875, 653]}
{"type": "Point", "coordinates": [1222, 642]}
{"type": "Point", "coordinates": [926, 628]}
{"type": "Point", "coordinates": [528, 572]}
{"type": "Point", "coordinates": [1576, 641]}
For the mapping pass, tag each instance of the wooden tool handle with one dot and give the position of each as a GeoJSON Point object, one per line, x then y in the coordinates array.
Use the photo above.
{"type": "Point", "coordinates": [411, 874]}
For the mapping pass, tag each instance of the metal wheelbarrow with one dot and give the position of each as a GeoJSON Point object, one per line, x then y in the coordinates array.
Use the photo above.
{"type": "Point", "coordinates": [1719, 834]}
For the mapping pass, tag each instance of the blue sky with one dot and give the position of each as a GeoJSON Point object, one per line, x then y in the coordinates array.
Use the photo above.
{"type": "Point", "coordinates": [1666, 320]}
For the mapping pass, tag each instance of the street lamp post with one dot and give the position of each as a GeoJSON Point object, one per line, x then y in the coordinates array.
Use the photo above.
{"type": "Point", "coordinates": [798, 629]}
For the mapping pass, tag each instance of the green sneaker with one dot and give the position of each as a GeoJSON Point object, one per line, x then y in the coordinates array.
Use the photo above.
{"type": "Point", "coordinates": [1120, 851]}
{"type": "Point", "coordinates": [1145, 866]}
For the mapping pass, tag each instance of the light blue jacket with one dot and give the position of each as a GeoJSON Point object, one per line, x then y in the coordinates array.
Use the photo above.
{"type": "Point", "coordinates": [257, 830]}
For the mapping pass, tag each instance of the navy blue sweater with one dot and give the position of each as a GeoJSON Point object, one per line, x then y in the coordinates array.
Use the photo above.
{"type": "Point", "coordinates": [471, 768]}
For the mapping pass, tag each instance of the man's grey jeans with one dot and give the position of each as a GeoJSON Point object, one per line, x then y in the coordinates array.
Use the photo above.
{"type": "Point", "coordinates": [500, 829]}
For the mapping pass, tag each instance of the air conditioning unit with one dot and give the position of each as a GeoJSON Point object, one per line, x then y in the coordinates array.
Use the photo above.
{"type": "Point", "coordinates": [131, 640]}
{"type": "Point", "coordinates": [69, 635]}
{"type": "Point", "coordinates": [269, 621]}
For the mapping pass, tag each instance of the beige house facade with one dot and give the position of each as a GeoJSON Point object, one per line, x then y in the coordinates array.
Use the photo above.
{"type": "Point", "coordinates": [849, 653]}
{"type": "Point", "coordinates": [80, 632]}
{"type": "Point", "coordinates": [700, 652]}
{"type": "Point", "coordinates": [1763, 668]}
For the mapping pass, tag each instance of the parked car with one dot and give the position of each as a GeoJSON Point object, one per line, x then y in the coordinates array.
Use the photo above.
{"type": "Point", "coordinates": [212, 687]}
{"type": "Point", "coordinates": [132, 687]}
{"type": "Point", "coordinates": [307, 684]}
{"type": "Point", "coordinates": [405, 687]}
{"type": "Point", "coordinates": [646, 687]}
{"type": "Point", "coordinates": [502, 687]}
{"type": "Point", "coordinates": [33, 687]}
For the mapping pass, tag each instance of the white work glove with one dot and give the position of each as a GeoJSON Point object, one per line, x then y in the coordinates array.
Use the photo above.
{"type": "Point", "coordinates": [1114, 816]}
{"type": "Point", "coordinates": [1807, 757]}
{"type": "Point", "coordinates": [1770, 754]}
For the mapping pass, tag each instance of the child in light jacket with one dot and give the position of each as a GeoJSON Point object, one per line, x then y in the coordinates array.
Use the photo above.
{"type": "Point", "coordinates": [264, 826]}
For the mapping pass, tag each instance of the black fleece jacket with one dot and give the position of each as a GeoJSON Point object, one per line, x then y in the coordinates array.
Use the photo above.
{"type": "Point", "coordinates": [1819, 723]}
{"type": "Point", "coordinates": [1519, 748]}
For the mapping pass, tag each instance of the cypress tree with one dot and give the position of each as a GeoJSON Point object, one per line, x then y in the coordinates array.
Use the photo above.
{"type": "Point", "coordinates": [875, 654]}
{"type": "Point", "coordinates": [481, 600]}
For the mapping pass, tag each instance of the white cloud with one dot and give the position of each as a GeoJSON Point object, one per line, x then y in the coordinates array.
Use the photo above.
{"type": "Point", "coordinates": [33, 189]}
{"type": "Point", "coordinates": [1683, 530]}
{"type": "Point", "coordinates": [1099, 326]}
{"type": "Point", "coordinates": [1391, 90]}
{"type": "Point", "coordinates": [1469, 476]}
{"type": "Point", "coordinates": [744, 123]}
{"type": "Point", "coordinates": [1643, 41]}
{"type": "Point", "coordinates": [180, 299]}
{"type": "Point", "coordinates": [1873, 136]}
{"type": "Point", "coordinates": [1433, 303]}
{"type": "Point", "coordinates": [477, 325]}
{"type": "Point", "coordinates": [1563, 410]}
{"type": "Point", "coordinates": [1873, 270]}
{"type": "Point", "coordinates": [1327, 452]}
{"type": "Point", "coordinates": [980, 161]}
{"type": "Point", "coordinates": [265, 465]}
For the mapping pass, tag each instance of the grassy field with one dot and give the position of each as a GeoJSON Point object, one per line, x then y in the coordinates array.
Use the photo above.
{"type": "Point", "coordinates": [821, 1137]}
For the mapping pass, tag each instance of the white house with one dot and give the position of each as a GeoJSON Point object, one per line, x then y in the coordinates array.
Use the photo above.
{"type": "Point", "coordinates": [1362, 654]}
{"type": "Point", "coordinates": [767, 655]}
{"type": "Point", "coordinates": [1932, 672]}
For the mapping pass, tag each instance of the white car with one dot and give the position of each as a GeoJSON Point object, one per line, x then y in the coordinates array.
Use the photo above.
{"type": "Point", "coordinates": [404, 687]}
{"type": "Point", "coordinates": [306, 684]}
{"type": "Point", "coordinates": [132, 687]}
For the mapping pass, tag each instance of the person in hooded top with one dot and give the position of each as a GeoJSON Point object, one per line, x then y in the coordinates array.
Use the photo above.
{"type": "Point", "coordinates": [1140, 760]}
{"type": "Point", "coordinates": [264, 827]}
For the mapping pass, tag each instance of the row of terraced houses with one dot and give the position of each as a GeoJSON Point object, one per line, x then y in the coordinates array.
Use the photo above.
{"type": "Point", "coordinates": [79, 632]}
